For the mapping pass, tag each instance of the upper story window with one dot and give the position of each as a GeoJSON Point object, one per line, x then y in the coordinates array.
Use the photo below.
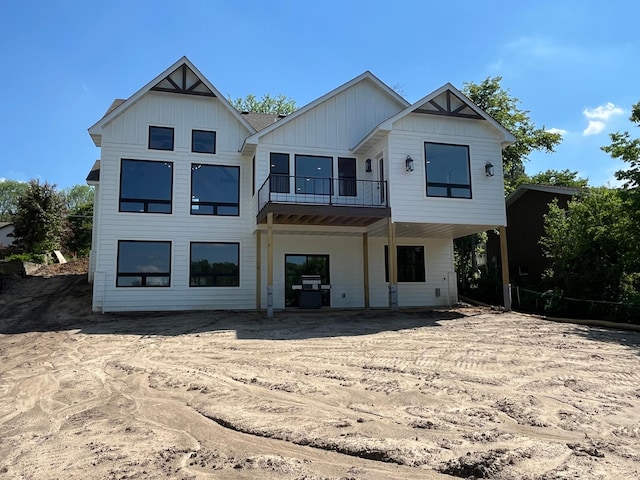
{"type": "Point", "coordinates": [215, 190]}
{"type": "Point", "coordinates": [410, 260]}
{"type": "Point", "coordinates": [203, 141]}
{"type": "Point", "coordinates": [448, 170]}
{"type": "Point", "coordinates": [145, 186]}
{"type": "Point", "coordinates": [279, 170]}
{"type": "Point", "coordinates": [314, 175]}
{"type": "Point", "coordinates": [160, 138]}
{"type": "Point", "coordinates": [215, 264]}
{"type": "Point", "coordinates": [143, 264]}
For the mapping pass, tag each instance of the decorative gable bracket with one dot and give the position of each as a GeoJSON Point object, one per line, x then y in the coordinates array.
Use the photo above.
{"type": "Point", "coordinates": [183, 80]}
{"type": "Point", "coordinates": [448, 104]}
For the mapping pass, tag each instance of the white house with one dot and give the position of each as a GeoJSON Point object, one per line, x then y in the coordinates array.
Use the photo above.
{"type": "Point", "coordinates": [6, 234]}
{"type": "Point", "coordinates": [199, 206]}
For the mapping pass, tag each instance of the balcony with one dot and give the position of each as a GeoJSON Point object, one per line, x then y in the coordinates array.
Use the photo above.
{"type": "Point", "coordinates": [322, 201]}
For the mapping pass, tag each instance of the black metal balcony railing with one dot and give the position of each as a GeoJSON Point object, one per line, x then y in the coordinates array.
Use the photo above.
{"type": "Point", "coordinates": [349, 192]}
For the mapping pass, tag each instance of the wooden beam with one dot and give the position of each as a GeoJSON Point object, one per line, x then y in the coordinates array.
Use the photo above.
{"type": "Point", "coordinates": [258, 269]}
{"type": "Point", "coordinates": [504, 256]}
{"type": "Point", "coordinates": [365, 267]}
{"type": "Point", "coordinates": [270, 249]}
{"type": "Point", "coordinates": [392, 265]}
{"type": "Point", "coordinates": [270, 265]}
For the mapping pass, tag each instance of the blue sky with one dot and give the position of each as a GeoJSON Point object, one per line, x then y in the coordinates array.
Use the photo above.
{"type": "Point", "coordinates": [575, 65]}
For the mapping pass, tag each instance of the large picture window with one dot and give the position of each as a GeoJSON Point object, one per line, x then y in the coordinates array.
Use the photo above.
{"type": "Point", "coordinates": [215, 190]}
{"type": "Point", "coordinates": [448, 171]}
{"type": "Point", "coordinates": [145, 186]}
{"type": "Point", "coordinates": [313, 175]}
{"type": "Point", "coordinates": [410, 263]}
{"type": "Point", "coordinates": [143, 264]}
{"type": "Point", "coordinates": [279, 170]}
{"type": "Point", "coordinates": [215, 265]}
{"type": "Point", "coordinates": [160, 138]}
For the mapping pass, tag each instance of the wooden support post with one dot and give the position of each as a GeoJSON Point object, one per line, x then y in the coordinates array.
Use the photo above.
{"type": "Point", "coordinates": [270, 265]}
{"type": "Point", "coordinates": [365, 267]}
{"type": "Point", "coordinates": [506, 286]}
{"type": "Point", "coordinates": [258, 269]}
{"type": "Point", "coordinates": [392, 266]}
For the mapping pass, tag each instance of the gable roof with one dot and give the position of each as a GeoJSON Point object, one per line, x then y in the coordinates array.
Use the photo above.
{"type": "Point", "coordinates": [446, 100]}
{"type": "Point", "coordinates": [367, 75]}
{"type": "Point", "coordinates": [165, 82]}
{"type": "Point", "coordinates": [526, 187]}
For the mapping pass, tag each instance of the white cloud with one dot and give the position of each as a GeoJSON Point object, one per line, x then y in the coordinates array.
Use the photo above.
{"type": "Point", "coordinates": [599, 116]}
{"type": "Point", "coordinates": [603, 112]}
{"type": "Point", "coordinates": [557, 130]}
{"type": "Point", "coordinates": [594, 127]}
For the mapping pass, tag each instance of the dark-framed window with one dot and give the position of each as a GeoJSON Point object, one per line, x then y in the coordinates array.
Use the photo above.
{"type": "Point", "coordinates": [215, 190]}
{"type": "Point", "coordinates": [299, 264]}
{"type": "Point", "coordinates": [160, 138]}
{"type": "Point", "coordinates": [410, 261]}
{"type": "Point", "coordinates": [203, 141]}
{"type": "Point", "coordinates": [314, 175]}
{"type": "Point", "coordinates": [145, 186]}
{"type": "Point", "coordinates": [347, 176]}
{"type": "Point", "coordinates": [448, 170]}
{"type": "Point", "coordinates": [143, 264]}
{"type": "Point", "coordinates": [279, 171]}
{"type": "Point", "coordinates": [214, 264]}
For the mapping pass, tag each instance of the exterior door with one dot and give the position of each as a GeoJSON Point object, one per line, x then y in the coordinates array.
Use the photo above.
{"type": "Point", "coordinates": [297, 265]}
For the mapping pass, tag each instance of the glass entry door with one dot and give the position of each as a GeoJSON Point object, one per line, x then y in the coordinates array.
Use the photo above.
{"type": "Point", "coordinates": [297, 265]}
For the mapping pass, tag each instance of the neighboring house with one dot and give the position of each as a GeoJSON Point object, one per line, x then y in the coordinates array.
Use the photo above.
{"type": "Point", "coordinates": [6, 234]}
{"type": "Point", "coordinates": [526, 208]}
{"type": "Point", "coordinates": [198, 206]}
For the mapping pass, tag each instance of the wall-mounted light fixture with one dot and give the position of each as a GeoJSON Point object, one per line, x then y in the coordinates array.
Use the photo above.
{"type": "Point", "coordinates": [408, 164]}
{"type": "Point", "coordinates": [367, 165]}
{"type": "Point", "coordinates": [488, 169]}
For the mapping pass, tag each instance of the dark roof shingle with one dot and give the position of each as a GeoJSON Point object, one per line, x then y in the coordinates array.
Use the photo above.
{"type": "Point", "coordinates": [261, 120]}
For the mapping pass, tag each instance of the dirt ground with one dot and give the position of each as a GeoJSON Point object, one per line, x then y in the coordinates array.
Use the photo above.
{"type": "Point", "coordinates": [466, 393]}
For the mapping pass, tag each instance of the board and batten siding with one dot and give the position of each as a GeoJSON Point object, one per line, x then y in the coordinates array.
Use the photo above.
{"type": "Point", "coordinates": [339, 122]}
{"type": "Point", "coordinates": [407, 190]}
{"type": "Point", "coordinates": [126, 136]}
{"type": "Point", "coordinates": [439, 274]}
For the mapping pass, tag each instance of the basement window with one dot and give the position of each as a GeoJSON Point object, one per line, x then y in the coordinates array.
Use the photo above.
{"type": "Point", "coordinates": [143, 264]}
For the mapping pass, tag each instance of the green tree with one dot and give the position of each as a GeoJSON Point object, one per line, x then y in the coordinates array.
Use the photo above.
{"type": "Point", "coordinates": [79, 203]}
{"type": "Point", "coordinates": [625, 148]}
{"type": "Point", "coordinates": [466, 252]}
{"type": "Point", "coordinates": [77, 196]}
{"type": "Point", "coordinates": [10, 191]}
{"type": "Point", "coordinates": [40, 218]}
{"type": "Point", "coordinates": [278, 105]}
{"type": "Point", "coordinates": [80, 220]}
{"type": "Point", "coordinates": [592, 245]}
{"type": "Point", "coordinates": [503, 107]}
{"type": "Point", "coordinates": [563, 178]}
